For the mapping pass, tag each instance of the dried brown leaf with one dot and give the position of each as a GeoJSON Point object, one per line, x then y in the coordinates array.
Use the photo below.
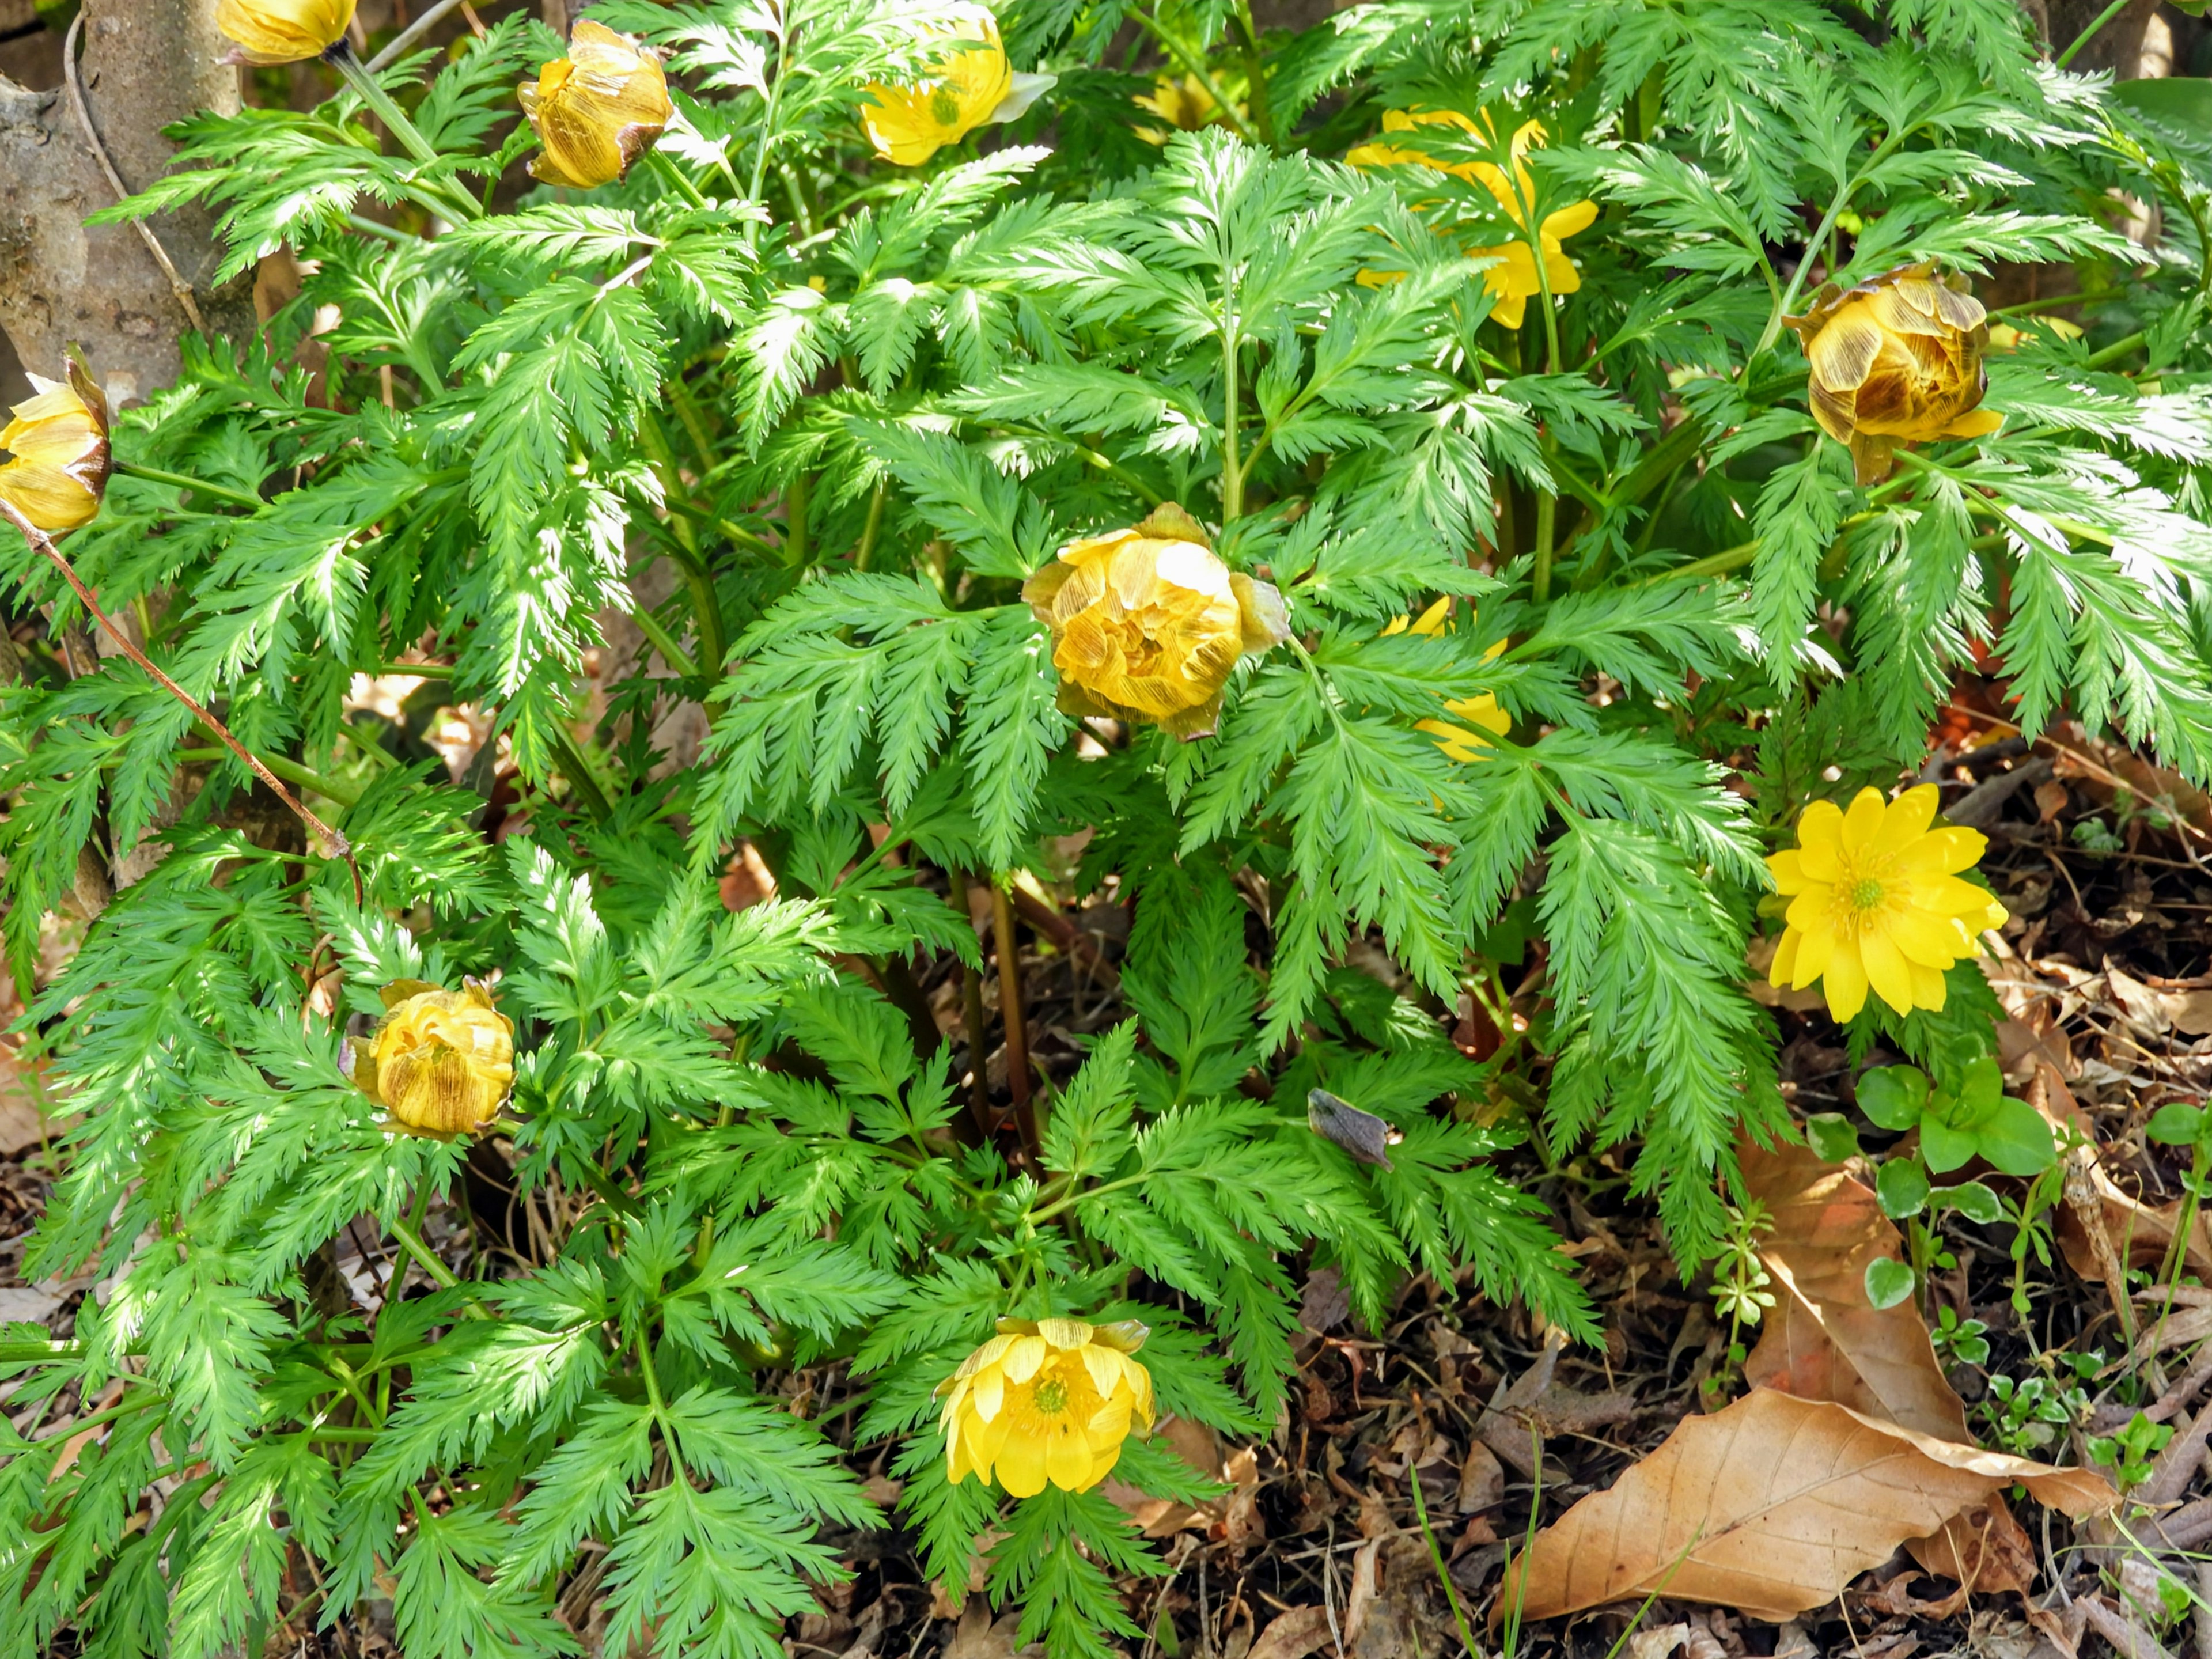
{"type": "Point", "coordinates": [1772, 1505]}
{"type": "Point", "coordinates": [1293, 1635]}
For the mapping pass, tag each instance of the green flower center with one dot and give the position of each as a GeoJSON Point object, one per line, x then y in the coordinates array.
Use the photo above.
{"type": "Point", "coordinates": [1865, 893]}
{"type": "Point", "coordinates": [1051, 1395]}
{"type": "Point", "coordinates": [944, 108]}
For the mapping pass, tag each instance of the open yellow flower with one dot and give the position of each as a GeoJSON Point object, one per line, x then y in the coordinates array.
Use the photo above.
{"type": "Point", "coordinates": [597, 110]}
{"type": "Point", "coordinates": [1185, 105]}
{"type": "Point", "coordinates": [1512, 278]}
{"type": "Point", "coordinates": [1481, 712]}
{"type": "Point", "coordinates": [1875, 901]}
{"type": "Point", "coordinates": [968, 85]}
{"type": "Point", "coordinates": [1897, 360]}
{"type": "Point", "coordinates": [442, 1062]}
{"type": "Point", "coordinates": [1147, 622]}
{"type": "Point", "coordinates": [1045, 1401]}
{"type": "Point", "coordinates": [59, 445]}
{"type": "Point", "coordinates": [283, 31]}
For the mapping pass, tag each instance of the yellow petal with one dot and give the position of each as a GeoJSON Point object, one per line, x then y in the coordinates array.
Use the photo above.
{"type": "Point", "coordinates": [1787, 867]}
{"type": "Point", "coordinates": [1064, 1334]}
{"type": "Point", "coordinates": [1943, 852]}
{"type": "Point", "coordinates": [1822, 825]}
{"type": "Point", "coordinates": [1105, 1368]}
{"type": "Point", "coordinates": [1786, 958]}
{"type": "Point", "coordinates": [1025, 1357]}
{"type": "Point", "coordinates": [989, 1392]}
{"type": "Point", "coordinates": [1947, 895]}
{"type": "Point", "coordinates": [1842, 354]}
{"type": "Point", "coordinates": [1975, 423]}
{"type": "Point", "coordinates": [1929, 987]}
{"type": "Point", "coordinates": [1906, 820]}
{"type": "Point", "coordinates": [1431, 621]}
{"type": "Point", "coordinates": [1844, 982]}
{"type": "Point", "coordinates": [1021, 1467]}
{"type": "Point", "coordinates": [1067, 1461]}
{"type": "Point", "coordinates": [1929, 939]}
{"type": "Point", "coordinates": [1815, 952]}
{"type": "Point", "coordinates": [1809, 909]}
{"type": "Point", "coordinates": [1569, 221]}
{"type": "Point", "coordinates": [1885, 968]}
{"type": "Point", "coordinates": [1862, 823]}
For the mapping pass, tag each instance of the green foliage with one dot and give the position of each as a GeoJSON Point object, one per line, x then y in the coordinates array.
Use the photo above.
{"type": "Point", "coordinates": [853, 407]}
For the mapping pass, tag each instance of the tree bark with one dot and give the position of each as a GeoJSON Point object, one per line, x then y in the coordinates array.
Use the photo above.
{"type": "Point", "coordinates": [144, 63]}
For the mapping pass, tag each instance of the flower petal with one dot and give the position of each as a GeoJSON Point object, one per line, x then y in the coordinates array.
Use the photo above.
{"type": "Point", "coordinates": [1906, 820]}
{"type": "Point", "coordinates": [1862, 823]}
{"type": "Point", "coordinates": [1024, 1358]}
{"type": "Point", "coordinates": [1844, 982]}
{"type": "Point", "coordinates": [1885, 968]}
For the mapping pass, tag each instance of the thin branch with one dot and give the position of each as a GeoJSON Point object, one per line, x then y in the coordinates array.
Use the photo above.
{"type": "Point", "coordinates": [325, 835]}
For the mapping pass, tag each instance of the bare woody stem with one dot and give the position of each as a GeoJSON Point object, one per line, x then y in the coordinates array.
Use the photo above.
{"type": "Point", "coordinates": [325, 835]}
{"type": "Point", "coordinates": [1010, 1012]}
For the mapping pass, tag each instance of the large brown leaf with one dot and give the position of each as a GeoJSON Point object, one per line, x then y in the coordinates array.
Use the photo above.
{"type": "Point", "coordinates": [1825, 1341]}
{"type": "Point", "coordinates": [1773, 1505]}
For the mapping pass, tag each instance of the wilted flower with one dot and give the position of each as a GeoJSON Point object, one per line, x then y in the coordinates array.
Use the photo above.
{"type": "Point", "coordinates": [1147, 624]}
{"type": "Point", "coordinates": [1875, 900]}
{"type": "Point", "coordinates": [1897, 360]}
{"type": "Point", "coordinates": [1456, 741]}
{"type": "Point", "coordinates": [1512, 278]}
{"type": "Point", "coordinates": [442, 1062]}
{"type": "Point", "coordinates": [597, 110]}
{"type": "Point", "coordinates": [1047, 1401]}
{"type": "Point", "coordinates": [58, 442]}
{"type": "Point", "coordinates": [1185, 105]}
{"type": "Point", "coordinates": [283, 31]}
{"type": "Point", "coordinates": [969, 85]}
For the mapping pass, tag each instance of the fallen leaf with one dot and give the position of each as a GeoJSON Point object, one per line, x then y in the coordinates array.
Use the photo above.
{"type": "Point", "coordinates": [2051, 800]}
{"type": "Point", "coordinates": [23, 1305]}
{"type": "Point", "coordinates": [2191, 1012]}
{"type": "Point", "coordinates": [1293, 1635]}
{"type": "Point", "coordinates": [1162, 1517]}
{"type": "Point", "coordinates": [23, 1123]}
{"type": "Point", "coordinates": [1366, 1584]}
{"type": "Point", "coordinates": [1772, 1505]}
{"type": "Point", "coordinates": [1481, 1480]}
{"type": "Point", "coordinates": [1825, 1341]}
{"type": "Point", "coordinates": [978, 1636]}
{"type": "Point", "coordinates": [2140, 1233]}
{"type": "Point", "coordinates": [1657, 1643]}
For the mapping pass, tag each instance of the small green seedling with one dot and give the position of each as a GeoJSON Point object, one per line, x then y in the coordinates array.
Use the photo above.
{"type": "Point", "coordinates": [1962, 1119]}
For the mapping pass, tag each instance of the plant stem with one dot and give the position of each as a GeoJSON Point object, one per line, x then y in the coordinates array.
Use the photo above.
{"type": "Point", "coordinates": [292, 771]}
{"type": "Point", "coordinates": [2114, 352]}
{"type": "Point", "coordinates": [1443, 1574]}
{"type": "Point", "coordinates": [1256, 79]}
{"type": "Point", "coordinates": [1194, 65]}
{"type": "Point", "coordinates": [43, 546]}
{"type": "Point", "coordinates": [1713, 564]}
{"type": "Point", "coordinates": [1232, 475]}
{"type": "Point", "coordinates": [979, 1088]}
{"type": "Point", "coordinates": [795, 520]}
{"type": "Point", "coordinates": [674, 177]}
{"type": "Point", "coordinates": [769, 119]}
{"type": "Point", "coordinates": [371, 92]}
{"type": "Point", "coordinates": [867, 550]}
{"type": "Point", "coordinates": [644, 1347]}
{"type": "Point", "coordinates": [1512, 1645]}
{"type": "Point", "coordinates": [578, 770]}
{"type": "Point", "coordinates": [1010, 1014]}
{"type": "Point", "coordinates": [2091, 32]}
{"type": "Point", "coordinates": [425, 1257]}
{"type": "Point", "coordinates": [662, 641]}
{"type": "Point", "coordinates": [1547, 507]}
{"type": "Point", "coordinates": [197, 486]}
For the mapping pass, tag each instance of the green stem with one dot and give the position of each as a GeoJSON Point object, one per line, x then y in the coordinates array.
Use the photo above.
{"type": "Point", "coordinates": [1436, 1555]}
{"type": "Point", "coordinates": [425, 1257]}
{"type": "Point", "coordinates": [1232, 475]}
{"type": "Point", "coordinates": [290, 771]}
{"type": "Point", "coordinates": [795, 500]}
{"type": "Point", "coordinates": [644, 1345]}
{"type": "Point", "coordinates": [578, 770]}
{"type": "Point", "coordinates": [197, 486]}
{"type": "Point", "coordinates": [2114, 352]}
{"type": "Point", "coordinates": [596, 1178]}
{"type": "Point", "coordinates": [1713, 564]}
{"type": "Point", "coordinates": [664, 642]}
{"type": "Point", "coordinates": [1255, 76]}
{"type": "Point", "coordinates": [1195, 66]}
{"type": "Point", "coordinates": [371, 92]}
{"type": "Point", "coordinates": [767, 125]}
{"type": "Point", "coordinates": [2091, 32]}
{"type": "Point", "coordinates": [421, 670]}
{"type": "Point", "coordinates": [867, 550]}
{"type": "Point", "coordinates": [1548, 507]}
{"type": "Point", "coordinates": [1512, 1646]}
{"type": "Point", "coordinates": [1789, 297]}
{"type": "Point", "coordinates": [675, 179]}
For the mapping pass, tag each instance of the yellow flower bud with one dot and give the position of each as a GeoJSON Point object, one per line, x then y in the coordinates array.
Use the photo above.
{"type": "Point", "coordinates": [1045, 1400]}
{"type": "Point", "coordinates": [59, 443]}
{"type": "Point", "coordinates": [1146, 623]}
{"type": "Point", "coordinates": [442, 1062]}
{"type": "Point", "coordinates": [597, 110]}
{"type": "Point", "coordinates": [283, 31]}
{"type": "Point", "coordinates": [1185, 106]}
{"type": "Point", "coordinates": [1897, 360]}
{"type": "Point", "coordinates": [1511, 275]}
{"type": "Point", "coordinates": [968, 85]}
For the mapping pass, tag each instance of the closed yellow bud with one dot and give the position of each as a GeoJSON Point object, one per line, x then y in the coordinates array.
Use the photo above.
{"type": "Point", "coordinates": [1049, 1400]}
{"type": "Point", "coordinates": [968, 84]}
{"type": "Point", "coordinates": [283, 31]}
{"type": "Point", "coordinates": [1147, 624]}
{"type": "Point", "coordinates": [597, 110]}
{"type": "Point", "coordinates": [1897, 360]}
{"type": "Point", "coordinates": [57, 443]}
{"type": "Point", "coordinates": [442, 1062]}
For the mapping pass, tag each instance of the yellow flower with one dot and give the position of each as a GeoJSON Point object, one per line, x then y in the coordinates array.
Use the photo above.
{"type": "Point", "coordinates": [1875, 900]}
{"type": "Point", "coordinates": [1147, 624]}
{"type": "Point", "coordinates": [1897, 360]}
{"type": "Point", "coordinates": [597, 110]}
{"type": "Point", "coordinates": [1185, 105]}
{"type": "Point", "coordinates": [968, 85]}
{"type": "Point", "coordinates": [283, 31]}
{"type": "Point", "coordinates": [59, 442]}
{"type": "Point", "coordinates": [1456, 741]}
{"type": "Point", "coordinates": [1512, 278]}
{"type": "Point", "coordinates": [1049, 1400]}
{"type": "Point", "coordinates": [442, 1062]}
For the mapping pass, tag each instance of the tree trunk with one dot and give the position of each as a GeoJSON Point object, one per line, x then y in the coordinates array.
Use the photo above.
{"type": "Point", "coordinates": [143, 63]}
